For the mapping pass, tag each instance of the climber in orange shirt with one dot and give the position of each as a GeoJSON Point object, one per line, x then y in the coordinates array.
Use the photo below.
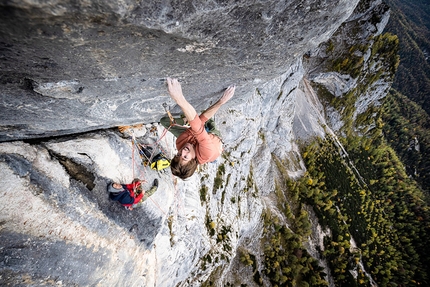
{"type": "Point", "coordinates": [196, 145]}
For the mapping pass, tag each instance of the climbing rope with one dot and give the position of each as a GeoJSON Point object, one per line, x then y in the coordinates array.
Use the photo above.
{"type": "Point", "coordinates": [142, 173]}
{"type": "Point", "coordinates": [145, 158]}
{"type": "Point", "coordinates": [133, 163]}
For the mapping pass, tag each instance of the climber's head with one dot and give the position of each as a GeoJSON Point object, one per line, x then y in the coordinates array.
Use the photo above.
{"type": "Point", "coordinates": [184, 164]}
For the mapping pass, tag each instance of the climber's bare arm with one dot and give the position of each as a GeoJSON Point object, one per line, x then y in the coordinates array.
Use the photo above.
{"type": "Point", "coordinates": [175, 92]}
{"type": "Point", "coordinates": [228, 94]}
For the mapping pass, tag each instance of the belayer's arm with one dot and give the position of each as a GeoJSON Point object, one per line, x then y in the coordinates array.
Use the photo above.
{"type": "Point", "coordinates": [175, 92]}
{"type": "Point", "coordinates": [228, 94]}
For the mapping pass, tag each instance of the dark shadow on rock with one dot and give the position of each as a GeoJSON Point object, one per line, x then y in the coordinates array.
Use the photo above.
{"type": "Point", "coordinates": [76, 170]}
{"type": "Point", "coordinates": [23, 167]}
{"type": "Point", "coordinates": [142, 224]}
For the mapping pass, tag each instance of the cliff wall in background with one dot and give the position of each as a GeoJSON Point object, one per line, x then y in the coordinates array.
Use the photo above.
{"type": "Point", "coordinates": [70, 73]}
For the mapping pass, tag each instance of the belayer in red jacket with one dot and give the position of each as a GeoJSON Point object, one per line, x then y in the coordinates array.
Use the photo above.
{"type": "Point", "coordinates": [130, 195]}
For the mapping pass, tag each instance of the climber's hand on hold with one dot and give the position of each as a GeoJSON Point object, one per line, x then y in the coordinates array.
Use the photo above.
{"type": "Point", "coordinates": [175, 90]}
{"type": "Point", "coordinates": [228, 94]}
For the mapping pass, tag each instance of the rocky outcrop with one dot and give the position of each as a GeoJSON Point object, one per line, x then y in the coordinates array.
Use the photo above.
{"type": "Point", "coordinates": [361, 64]}
{"type": "Point", "coordinates": [72, 68]}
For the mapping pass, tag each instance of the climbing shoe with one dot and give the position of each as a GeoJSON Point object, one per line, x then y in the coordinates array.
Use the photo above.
{"type": "Point", "coordinates": [155, 182]}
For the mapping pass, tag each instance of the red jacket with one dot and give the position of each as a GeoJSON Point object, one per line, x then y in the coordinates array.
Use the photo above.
{"type": "Point", "coordinates": [131, 187]}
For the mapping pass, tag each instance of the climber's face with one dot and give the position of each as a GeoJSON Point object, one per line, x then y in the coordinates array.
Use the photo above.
{"type": "Point", "coordinates": [117, 186]}
{"type": "Point", "coordinates": [187, 153]}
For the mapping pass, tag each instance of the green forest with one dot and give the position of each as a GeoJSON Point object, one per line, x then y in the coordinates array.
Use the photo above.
{"type": "Point", "coordinates": [407, 128]}
{"type": "Point", "coordinates": [362, 193]}
{"type": "Point", "coordinates": [410, 21]}
{"type": "Point", "coordinates": [407, 107]}
{"type": "Point", "coordinates": [366, 193]}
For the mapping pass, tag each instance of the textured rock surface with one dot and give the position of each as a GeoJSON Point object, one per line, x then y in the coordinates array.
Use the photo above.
{"type": "Point", "coordinates": [79, 66]}
{"type": "Point", "coordinates": [75, 67]}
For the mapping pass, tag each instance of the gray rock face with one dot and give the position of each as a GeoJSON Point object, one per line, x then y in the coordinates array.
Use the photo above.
{"type": "Point", "coordinates": [70, 68]}
{"type": "Point", "coordinates": [78, 66]}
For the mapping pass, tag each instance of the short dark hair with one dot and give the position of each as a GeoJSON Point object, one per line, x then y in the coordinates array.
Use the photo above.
{"type": "Point", "coordinates": [183, 171]}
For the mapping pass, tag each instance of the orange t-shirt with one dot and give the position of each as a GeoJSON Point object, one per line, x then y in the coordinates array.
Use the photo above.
{"type": "Point", "coordinates": [208, 146]}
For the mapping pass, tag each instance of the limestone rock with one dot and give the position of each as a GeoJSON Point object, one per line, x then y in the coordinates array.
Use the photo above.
{"type": "Point", "coordinates": [77, 67]}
